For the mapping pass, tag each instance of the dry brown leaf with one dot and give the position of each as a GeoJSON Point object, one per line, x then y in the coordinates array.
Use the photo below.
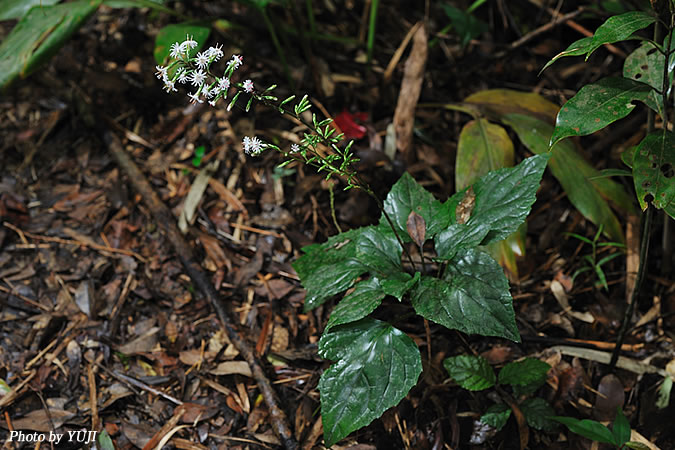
{"type": "Point", "coordinates": [416, 228]}
{"type": "Point", "coordinates": [231, 368]}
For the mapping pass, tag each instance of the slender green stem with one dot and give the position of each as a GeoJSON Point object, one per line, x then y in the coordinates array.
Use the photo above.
{"type": "Point", "coordinates": [277, 46]}
{"type": "Point", "coordinates": [310, 16]}
{"type": "Point", "coordinates": [371, 29]}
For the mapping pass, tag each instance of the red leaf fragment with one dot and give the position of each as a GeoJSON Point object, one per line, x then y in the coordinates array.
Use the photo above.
{"type": "Point", "coordinates": [352, 130]}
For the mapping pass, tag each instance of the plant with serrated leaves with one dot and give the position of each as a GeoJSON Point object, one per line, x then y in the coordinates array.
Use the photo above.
{"type": "Point", "coordinates": [524, 377]}
{"type": "Point", "coordinates": [618, 436]}
{"type": "Point", "coordinates": [647, 78]}
{"type": "Point", "coordinates": [456, 285]}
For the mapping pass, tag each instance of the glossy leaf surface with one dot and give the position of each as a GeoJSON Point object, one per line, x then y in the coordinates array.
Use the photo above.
{"type": "Point", "coordinates": [365, 298]}
{"type": "Point", "coordinates": [619, 28]}
{"type": "Point", "coordinates": [597, 105]}
{"type": "Point", "coordinates": [473, 297]}
{"type": "Point", "coordinates": [470, 372]}
{"type": "Point", "coordinates": [645, 64]}
{"type": "Point", "coordinates": [496, 415]}
{"type": "Point", "coordinates": [376, 365]}
{"type": "Point", "coordinates": [587, 428]}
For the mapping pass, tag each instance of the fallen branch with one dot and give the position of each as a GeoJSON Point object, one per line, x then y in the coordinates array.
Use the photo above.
{"type": "Point", "coordinates": [166, 222]}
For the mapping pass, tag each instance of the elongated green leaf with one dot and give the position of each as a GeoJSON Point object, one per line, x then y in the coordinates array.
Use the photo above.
{"type": "Point", "coordinates": [537, 412]}
{"type": "Point", "coordinates": [329, 268]}
{"type": "Point", "coordinates": [587, 428]}
{"type": "Point", "coordinates": [473, 297]}
{"type": "Point", "coordinates": [177, 33]}
{"type": "Point", "coordinates": [154, 4]}
{"type": "Point", "coordinates": [620, 428]}
{"type": "Point", "coordinates": [496, 103]}
{"type": "Point", "coordinates": [466, 25]}
{"type": "Point", "coordinates": [597, 105]}
{"type": "Point", "coordinates": [654, 170]}
{"type": "Point", "coordinates": [637, 445]}
{"type": "Point", "coordinates": [619, 28]}
{"type": "Point", "coordinates": [645, 64]}
{"type": "Point", "coordinates": [376, 365]}
{"type": "Point", "coordinates": [471, 372]}
{"type": "Point", "coordinates": [15, 9]}
{"type": "Point", "coordinates": [365, 298]}
{"type": "Point", "coordinates": [576, 48]}
{"type": "Point", "coordinates": [406, 196]}
{"type": "Point", "coordinates": [482, 146]}
{"type": "Point", "coordinates": [39, 35]}
{"type": "Point", "coordinates": [527, 371]}
{"type": "Point", "coordinates": [496, 415]}
{"type": "Point", "coordinates": [579, 179]}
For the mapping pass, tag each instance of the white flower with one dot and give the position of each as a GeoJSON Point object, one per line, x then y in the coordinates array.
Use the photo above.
{"type": "Point", "coordinates": [223, 85]}
{"type": "Point", "coordinates": [176, 50]}
{"type": "Point", "coordinates": [213, 102]}
{"type": "Point", "coordinates": [207, 92]}
{"type": "Point", "coordinates": [215, 52]}
{"type": "Point", "coordinates": [183, 75]}
{"type": "Point", "coordinates": [295, 148]}
{"type": "Point", "coordinates": [248, 86]}
{"type": "Point", "coordinates": [169, 85]}
{"type": "Point", "coordinates": [161, 72]}
{"type": "Point", "coordinates": [198, 77]}
{"type": "Point", "coordinates": [187, 44]}
{"type": "Point", "coordinates": [253, 146]}
{"type": "Point", "coordinates": [202, 60]}
{"type": "Point", "coordinates": [195, 98]}
{"type": "Point", "coordinates": [236, 61]}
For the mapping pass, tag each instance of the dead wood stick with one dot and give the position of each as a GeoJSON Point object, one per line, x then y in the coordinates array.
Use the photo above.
{"type": "Point", "coordinates": [167, 223]}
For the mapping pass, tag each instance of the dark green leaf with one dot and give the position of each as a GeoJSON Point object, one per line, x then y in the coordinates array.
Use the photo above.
{"type": "Point", "coordinates": [406, 196]}
{"type": "Point", "coordinates": [527, 371]}
{"type": "Point", "coordinates": [587, 428]}
{"type": "Point", "coordinates": [537, 412]}
{"type": "Point", "coordinates": [154, 4]}
{"type": "Point", "coordinates": [466, 25]}
{"type": "Point", "coordinates": [39, 35]}
{"type": "Point", "coordinates": [620, 428]}
{"type": "Point", "coordinates": [365, 298]}
{"type": "Point", "coordinates": [597, 105]}
{"type": "Point", "coordinates": [376, 365]}
{"type": "Point", "coordinates": [645, 64]}
{"type": "Point", "coordinates": [473, 297]}
{"type": "Point", "coordinates": [654, 170]}
{"type": "Point", "coordinates": [496, 415]}
{"type": "Point", "coordinates": [329, 268]}
{"type": "Point", "coordinates": [576, 48]}
{"type": "Point", "coordinates": [177, 33]}
{"type": "Point", "coordinates": [378, 249]}
{"type": "Point", "coordinates": [15, 9]}
{"type": "Point", "coordinates": [619, 28]}
{"type": "Point", "coordinates": [398, 283]}
{"type": "Point", "coordinates": [605, 173]}
{"type": "Point", "coordinates": [471, 372]}
{"type": "Point", "coordinates": [574, 174]}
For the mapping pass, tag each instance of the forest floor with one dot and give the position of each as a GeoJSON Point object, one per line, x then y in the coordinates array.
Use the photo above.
{"type": "Point", "coordinates": [101, 328]}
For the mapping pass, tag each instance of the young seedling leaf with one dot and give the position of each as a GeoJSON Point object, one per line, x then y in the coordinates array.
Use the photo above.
{"type": "Point", "coordinates": [376, 365]}
{"type": "Point", "coordinates": [597, 105]}
{"type": "Point", "coordinates": [619, 28]}
{"type": "Point", "coordinates": [329, 268]}
{"type": "Point", "coordinates": [416, 227]}
{"type": "Point", "coordinates": [470, 372]}
{"type": "Point", "coordinates": [620, 428]}
{"type": "Point", "coordinates": [365, 298]}
{"type": "Point", "coordinates": [473, 297]}
{"type": "Point", "coordinates": [525, 372]}
{"type": "Point", "coordinates": [654, 170]}
{"type": "Point", "coordinates": [587, 428]}
{"type": "Point", "coordinates": [537, 412]}
{"type": "Point", "coordinates": [406, 196]}
{"type": "Point", "coordinates": [497, 415]}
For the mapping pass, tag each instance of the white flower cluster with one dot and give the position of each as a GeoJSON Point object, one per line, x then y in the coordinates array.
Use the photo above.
{"type": "Point", "coordinates": [195, 70]}
{"type": "Point", "coordinates": [253, 146]}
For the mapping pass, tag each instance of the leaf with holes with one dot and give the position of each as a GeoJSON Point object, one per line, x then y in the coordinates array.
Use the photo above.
{"type": "Point", "coordinates": [471, 372]}
{"type": "Point", "coordinates": [619, 28]}
{"type": "Point", "coordinates": [597, 105]}
{"type": "Point", "coordinates": [645, 64]}
{"type": "Point", "coordinates": [472, 297]}
{"type": "Point", "coordinates": [654, 170]}
{"type": "Point", "coordinates": [376, 365]}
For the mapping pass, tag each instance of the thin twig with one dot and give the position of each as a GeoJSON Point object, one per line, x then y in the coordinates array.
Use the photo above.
{"type": "Point", "coordinates": [164, 218]}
